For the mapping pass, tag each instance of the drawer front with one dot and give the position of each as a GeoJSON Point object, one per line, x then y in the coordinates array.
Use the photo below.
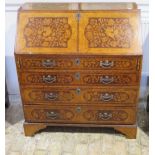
{"type": "Point", "coordinates": [79, 78]}
{"type": "Point", "coordinates": [76, 95]}
{"type": "Point", "coordinates": [80, 114]}
{"type": "Point", "coordinates": [78, 62]}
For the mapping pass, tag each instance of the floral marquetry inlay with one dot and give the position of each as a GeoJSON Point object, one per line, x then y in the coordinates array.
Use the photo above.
{"type": "Point", "coordinates": [52, 32]}
{"type": "Point", "coordinates": [106, 115]}
{"type": "Point", "coordinates": [109, 33]}
{"type": "Point", "coordinates": [53, 114]}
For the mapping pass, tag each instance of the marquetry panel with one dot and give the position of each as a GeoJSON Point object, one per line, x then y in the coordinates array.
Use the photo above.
{"type": "Point", "coordinates": [110, 95]}
{"type": "Point", "coordinates": [46, 95]}
{"type": "Point", "coordinates": [109, 32]}
{"type": "Point", "coordinates": [46, 32]}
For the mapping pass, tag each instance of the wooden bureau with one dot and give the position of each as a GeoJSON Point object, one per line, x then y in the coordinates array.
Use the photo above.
{"type": "Point", "coordinates": [79, 65]}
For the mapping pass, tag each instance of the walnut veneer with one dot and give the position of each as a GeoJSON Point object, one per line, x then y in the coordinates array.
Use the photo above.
{"type": "Point", "coordinates": [79, 65]}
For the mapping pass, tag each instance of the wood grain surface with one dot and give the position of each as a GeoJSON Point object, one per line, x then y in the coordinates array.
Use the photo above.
{"type": "Point", "coordinates": [80, 95]}
{"type": "Point", "coordinates": [80, 113]}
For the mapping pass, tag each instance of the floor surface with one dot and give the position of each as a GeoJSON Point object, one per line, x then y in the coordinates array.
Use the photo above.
{"type": "Point", "coordinates": [73, 141]}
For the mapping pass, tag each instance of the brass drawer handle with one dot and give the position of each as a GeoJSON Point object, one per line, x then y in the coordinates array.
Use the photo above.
{"type": "Point", "coordinates": [48, 63]}
{"type": "Point", "coordinates": [49, 79]}
{"type": "Point", "coordinates": [52, 115]}
{"type": "Point", "coordinates": [105, 115]}
{"type": "Point", "coordinates": [106, 97]}
{"type": "Point", "coordinates": [106, 64]}
{"type": "Point", "coordinates": [51, 96]}
{"type": "Point", "coordinates": [106, 79]}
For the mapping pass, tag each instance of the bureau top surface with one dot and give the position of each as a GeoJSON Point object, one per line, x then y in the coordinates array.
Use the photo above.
{"type": "Point", "coordinates": [78, 28]}
{"type": "Point", "coordinates": [78, 6]}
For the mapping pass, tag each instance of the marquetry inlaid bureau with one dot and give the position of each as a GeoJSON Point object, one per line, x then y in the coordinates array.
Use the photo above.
{"type": "Point", "coordinates": [79, 65]}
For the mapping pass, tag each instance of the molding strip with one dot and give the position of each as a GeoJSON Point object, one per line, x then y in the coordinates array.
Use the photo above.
{"type": "Point", "coordinates": [143, 6]}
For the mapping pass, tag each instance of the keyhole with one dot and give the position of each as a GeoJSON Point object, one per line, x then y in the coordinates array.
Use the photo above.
{"type": "Point", "coordinates": [78, 91]}
{"type": "Point", "coordinates": [77, 61]}
{"type": "Point", "coordinates": [78, 109]}
{"type": "Point", "coordinates": [77, 76]}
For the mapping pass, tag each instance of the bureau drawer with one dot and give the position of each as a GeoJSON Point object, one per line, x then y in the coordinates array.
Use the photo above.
{"type": "Point", "coordinates": [67, 78]}
{"type": "Point", "coordinates": [82, 62]}
{"type": "Point", "coordinates": [80, 114]}
{"type": "Point", "coordinates": [76, 95]}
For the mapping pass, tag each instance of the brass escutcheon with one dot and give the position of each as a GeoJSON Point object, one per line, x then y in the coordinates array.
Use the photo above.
{"type": "Point", "coordinates": [77, 76]}
{"type": "Point", "coordinates": [78, 109]}
{"type": "Point", "coordinates": [77, 61]}
{"type": "Point", "coordinates": [78, 91]}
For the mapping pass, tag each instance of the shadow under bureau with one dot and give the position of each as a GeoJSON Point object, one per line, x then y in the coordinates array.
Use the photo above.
{"type": "Point", "coordinates": [79, 65]}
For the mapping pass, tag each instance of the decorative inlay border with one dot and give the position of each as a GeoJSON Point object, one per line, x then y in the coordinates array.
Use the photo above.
{"type": "Point", "coordinates": [44, 95]}
{"type": "Point", "coordinates": [106, 115]}
{"type": "Point", "coordinates": [43, 114]}
{"type": "Point", "coordinates": [95, 96]}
